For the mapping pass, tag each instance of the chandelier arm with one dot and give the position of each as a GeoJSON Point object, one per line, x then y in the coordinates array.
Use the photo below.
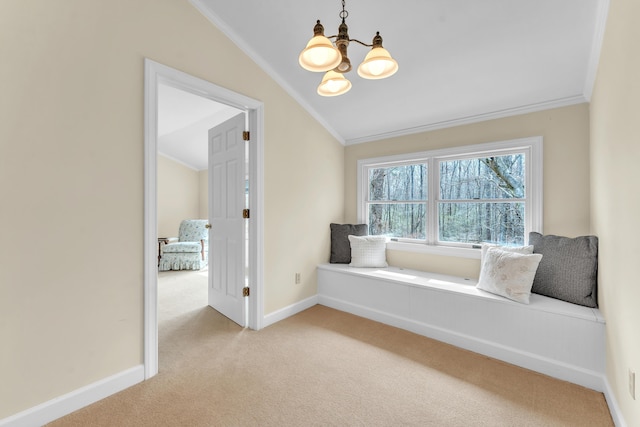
{"type": "Point", "coordinates": [351, 40]}
{"type": "Point", "coordinates": [363, 44]}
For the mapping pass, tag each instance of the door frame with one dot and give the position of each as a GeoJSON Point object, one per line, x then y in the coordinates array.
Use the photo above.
{"type": "Point", "coordinates": [154, 74]}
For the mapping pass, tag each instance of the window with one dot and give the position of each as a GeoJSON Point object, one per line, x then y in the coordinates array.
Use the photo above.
{"type": "Point", "coordinates": [449, 201]}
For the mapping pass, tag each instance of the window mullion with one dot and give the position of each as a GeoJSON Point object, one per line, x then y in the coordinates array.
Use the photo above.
{"type": "Point", "coordinates": [433, 181]}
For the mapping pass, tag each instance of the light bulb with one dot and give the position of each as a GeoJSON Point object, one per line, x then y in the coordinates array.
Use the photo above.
{"type": "Point", "coordinates": [377, 67]}
{"type": "Point", "coordinates": [378, 64]}
{"type": "Point", "coordinates": [320, 55]}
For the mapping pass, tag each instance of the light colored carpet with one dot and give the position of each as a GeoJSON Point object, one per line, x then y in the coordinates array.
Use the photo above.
{"type": "Point", "coordinates": [323, 367]}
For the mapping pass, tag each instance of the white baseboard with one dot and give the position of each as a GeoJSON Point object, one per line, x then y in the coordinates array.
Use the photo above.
{"type": "Point", "coordinates": [614, 409]}
{"type": "Point", "coordinates": [289, 311]}
{"type": "Point", "coordinates": [77, 399]}
{"type": "Point", "coordinates": [70, 402]}
{"type": "Point", "coordinates": [586, 378]}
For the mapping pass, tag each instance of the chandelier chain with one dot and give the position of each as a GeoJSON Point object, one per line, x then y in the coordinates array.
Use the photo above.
{"type": "Point", "coordinates": [344, 12]}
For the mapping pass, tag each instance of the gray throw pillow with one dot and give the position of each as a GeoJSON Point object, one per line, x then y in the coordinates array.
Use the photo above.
{"type": "Point", "coordinates": [340, 246]}
{"type": "Point", "coordinates": [569, 268]}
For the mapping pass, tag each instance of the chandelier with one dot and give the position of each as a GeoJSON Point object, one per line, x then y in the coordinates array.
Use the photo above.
{"type": "Point", "coordinates": [321, 55]}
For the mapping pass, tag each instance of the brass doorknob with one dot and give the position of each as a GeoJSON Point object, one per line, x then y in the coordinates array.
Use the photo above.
{"type": "Point", "coordinates": [207, 226]}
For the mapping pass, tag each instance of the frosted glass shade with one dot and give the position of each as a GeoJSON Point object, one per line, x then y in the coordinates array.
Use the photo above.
{"type": "Point", "coordinates": [319, 55]}
{"type": "Point", "coordinates": [333, 84]}
{"type": "Point", "coordinates": [378, 64]}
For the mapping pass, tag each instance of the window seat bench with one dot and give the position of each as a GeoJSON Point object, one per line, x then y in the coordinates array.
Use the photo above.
{"type": "Point", "coordinates": [550, 336]}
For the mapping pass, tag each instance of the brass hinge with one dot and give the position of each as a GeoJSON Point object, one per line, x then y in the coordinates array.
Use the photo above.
{"type": "Point", "coordinates": [246, 213]}
{"type": "Point", "coordinates": [245, 291]}
{"type": "Point", "coordinates": [245, 135]}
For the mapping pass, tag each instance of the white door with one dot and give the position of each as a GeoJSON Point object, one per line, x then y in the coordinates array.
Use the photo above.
{"type": "Point", "coordinates": [227, 237]}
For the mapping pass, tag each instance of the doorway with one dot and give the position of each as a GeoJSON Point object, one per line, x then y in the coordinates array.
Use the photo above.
{"type": "Point", "coordinates": [183, 193]}
{"type": "Point", "coordinates": [157, 74]}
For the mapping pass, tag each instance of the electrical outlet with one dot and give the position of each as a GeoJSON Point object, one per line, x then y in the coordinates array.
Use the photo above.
{"type": "Point", "coordinates": [632, 384]}
{"type": "Point", "coordinates": [297, 278]}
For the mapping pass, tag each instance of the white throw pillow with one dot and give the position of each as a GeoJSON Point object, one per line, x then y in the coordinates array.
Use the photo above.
{"type": "Point", "coordinates": [508, 274]}
{"type": "Point", "coordinates": [516, 249]}
{"type": "Point", "coordinates": [368, 251]}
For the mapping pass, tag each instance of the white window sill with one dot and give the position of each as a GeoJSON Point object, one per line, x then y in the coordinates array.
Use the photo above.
{"type": "Point", "coordinates": [434, 250]}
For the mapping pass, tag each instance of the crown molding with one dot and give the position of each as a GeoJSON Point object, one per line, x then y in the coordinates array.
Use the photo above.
{"type": "Point", "coordinates": [596, 48]}
{"type": "Point", "coordinates": [531, 108]}
{"type": "Point", "coordinates": [243, 46]}
{"type": "Point", "coordinates": [590, 76]}
{"type": "Point", "coordinates": [180, 162]}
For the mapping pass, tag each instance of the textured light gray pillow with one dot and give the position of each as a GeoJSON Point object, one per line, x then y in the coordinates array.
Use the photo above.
{"type": "Point", "coordinates": [368, 251]}
{"type": "Point", "coordinates": [569, 268]}
{"type": "Point", "coordinates": [340, 246]}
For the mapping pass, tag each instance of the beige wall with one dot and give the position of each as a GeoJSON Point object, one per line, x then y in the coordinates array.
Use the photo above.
{"type": "Point", "coordinates": [565, 133]}
{"type": "Point", "coordinates": [203, 194]}
{"type": "Point", "coordinates": [615, 155]}
{"type": "Point", "coordinates": [178, 195]}
{"type": "Point", "coordinates": [71, 169]}
{"type": "Point", "coordinates": [306, 177]}
{"type": "Point", "coordinates": [74, 178]}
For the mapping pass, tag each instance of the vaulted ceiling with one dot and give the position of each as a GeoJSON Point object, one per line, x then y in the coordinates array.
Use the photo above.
{"type": "Point", "coordinates": [460, 61]}
{"type": "Point", "coordinates": [184, 120]}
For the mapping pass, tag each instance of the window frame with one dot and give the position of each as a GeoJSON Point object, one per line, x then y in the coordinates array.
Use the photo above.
{"type": "Point", "coordinates": [531, 146]}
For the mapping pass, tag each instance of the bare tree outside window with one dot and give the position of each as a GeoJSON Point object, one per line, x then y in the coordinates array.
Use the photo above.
{"type": "Point", "coordinates": [480, 200]}
{"type": "Point", "coordinates": [398, 195]}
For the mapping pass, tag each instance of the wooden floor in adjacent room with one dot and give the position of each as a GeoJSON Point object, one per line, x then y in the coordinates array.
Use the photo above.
{"type": "Point", "coordinates": [325, 367]}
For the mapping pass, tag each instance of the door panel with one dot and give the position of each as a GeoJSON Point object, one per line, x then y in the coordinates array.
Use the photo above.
{"type": "Point", "coordinates": [227, 166]}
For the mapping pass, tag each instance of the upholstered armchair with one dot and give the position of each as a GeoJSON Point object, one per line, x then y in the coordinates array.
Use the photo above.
{"type": "Point", "coordinates": [190, 252]}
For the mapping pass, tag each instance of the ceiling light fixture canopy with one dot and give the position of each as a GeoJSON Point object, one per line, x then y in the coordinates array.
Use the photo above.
{"type": "Point", "coordinates": [320, 55]}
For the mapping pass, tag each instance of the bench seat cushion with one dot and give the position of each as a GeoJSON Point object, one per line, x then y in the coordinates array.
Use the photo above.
{"type": "Point", "coordinates": [182, 247]}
